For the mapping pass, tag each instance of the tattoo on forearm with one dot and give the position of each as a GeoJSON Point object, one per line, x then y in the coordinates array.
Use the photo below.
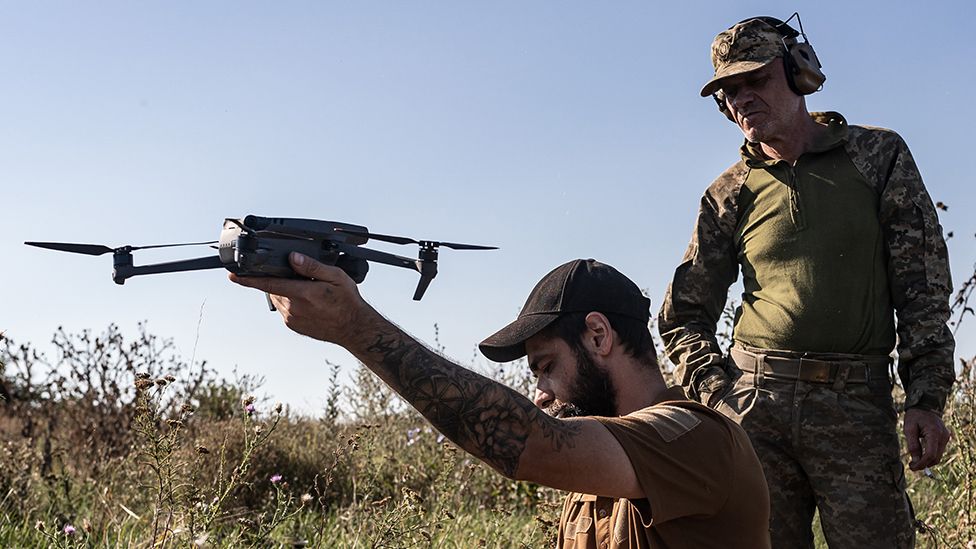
{"type": "Point", "coordinates": [487, 419]}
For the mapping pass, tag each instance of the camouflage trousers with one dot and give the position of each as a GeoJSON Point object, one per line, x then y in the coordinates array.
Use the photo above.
{"type": "Point", "coordinates": [826, 446]}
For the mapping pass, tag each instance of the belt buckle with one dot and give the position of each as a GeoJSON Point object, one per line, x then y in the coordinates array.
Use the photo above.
{"type": "Point", "coordinates": [817, 375]}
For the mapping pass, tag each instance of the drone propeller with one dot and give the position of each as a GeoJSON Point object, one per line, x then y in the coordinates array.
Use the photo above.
{"type": "Point", "coordinates": [98, 249]}
{"type": "Point", "coordinates": [422, 243]}
{"type": "Point", "coordinates": [89, 249]}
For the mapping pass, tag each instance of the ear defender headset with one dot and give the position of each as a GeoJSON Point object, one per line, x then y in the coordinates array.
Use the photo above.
{"type": "Point", "coordinates": [803, 73]}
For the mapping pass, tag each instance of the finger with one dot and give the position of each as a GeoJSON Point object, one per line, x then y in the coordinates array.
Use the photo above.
{"type": "Point", "coordinates": [943, 442]}
{"type": "Point", "coordinates": [257, 282]}
{"type": "Point", "coordinates": [270, 284]}
{"type": "Point", "coordinates": [310, 268]}
{"type": "Point", "coordinates": [914, 447]}
{"type": "Point", "coordinates": [930, 455]}
{"type": "Point", "coordinates": [281, 304]}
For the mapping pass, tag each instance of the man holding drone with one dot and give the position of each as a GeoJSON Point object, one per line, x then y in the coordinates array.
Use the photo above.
{"type": "Point", "coordinates": [834, 234]}
{"type": "Point", "coordinates": [645, 467]}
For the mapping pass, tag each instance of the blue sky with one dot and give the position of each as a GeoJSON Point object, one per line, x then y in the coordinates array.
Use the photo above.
{"type": "Point", "coordinates": [553, 130]}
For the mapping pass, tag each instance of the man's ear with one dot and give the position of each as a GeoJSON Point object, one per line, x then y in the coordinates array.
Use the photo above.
{"type": "Point", "coordinates": [598, 337]}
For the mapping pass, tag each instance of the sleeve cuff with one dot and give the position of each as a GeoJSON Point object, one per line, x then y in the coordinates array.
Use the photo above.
{"type": "Point", "coordinates": [706, 381]}
{"type": "Point", "coordinates": [925, 401]}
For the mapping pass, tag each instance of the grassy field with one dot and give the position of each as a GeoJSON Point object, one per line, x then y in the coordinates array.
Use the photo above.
{"type": "Point", "coordinates": [121, 443]}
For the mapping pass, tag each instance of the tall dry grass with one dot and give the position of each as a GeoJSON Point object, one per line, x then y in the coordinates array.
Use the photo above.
{"type": "Point", "coordinates": [121, 443]}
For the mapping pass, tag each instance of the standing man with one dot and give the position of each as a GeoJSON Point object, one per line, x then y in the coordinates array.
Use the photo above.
{"type": "Point", "coordinates": [646, 468]}
{"type": "Point", "coordinates": [835, 235]}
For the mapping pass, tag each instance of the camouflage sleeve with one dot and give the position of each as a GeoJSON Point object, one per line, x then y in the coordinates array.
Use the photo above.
{"type": "Point", "coordinates": [918, 269]}
{"type": "Point", "coordinates": [697, 294]}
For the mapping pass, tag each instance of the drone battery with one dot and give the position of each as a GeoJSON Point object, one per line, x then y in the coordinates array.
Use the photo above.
{"type": "Point", "coordinates": [265, 253]}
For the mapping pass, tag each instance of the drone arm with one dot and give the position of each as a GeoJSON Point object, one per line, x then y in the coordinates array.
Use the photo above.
{"type": "Point", "coordinates": [124, 268]}
{"type": "Point", "coordinates": [426, 266]}
{"type": "Point", "coordinates": [379, 257]}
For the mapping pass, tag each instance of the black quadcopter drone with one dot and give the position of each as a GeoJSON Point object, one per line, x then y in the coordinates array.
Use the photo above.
{"type": "Point", "coordinates": [259, 246]}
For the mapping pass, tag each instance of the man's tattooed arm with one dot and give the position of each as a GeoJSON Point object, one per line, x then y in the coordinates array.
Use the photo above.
{"type": "Point", "coordinates": [484, 417]}
{"type": "Point", "coordinates": [488, 420]}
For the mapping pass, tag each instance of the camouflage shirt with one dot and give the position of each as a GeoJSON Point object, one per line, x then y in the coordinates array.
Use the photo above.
{"type": "Point", "coordinates": [895, 262]}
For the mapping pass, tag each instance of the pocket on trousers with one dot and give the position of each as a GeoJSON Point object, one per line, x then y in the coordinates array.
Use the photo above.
{"type": "Point", "coordinates": [875, 396]}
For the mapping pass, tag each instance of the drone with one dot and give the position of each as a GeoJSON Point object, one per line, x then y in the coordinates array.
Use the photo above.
{"type": "Point", "coordinates": [259, 246]}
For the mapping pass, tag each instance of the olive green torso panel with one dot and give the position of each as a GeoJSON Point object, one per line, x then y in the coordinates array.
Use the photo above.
{"type": "Point", "coordinates": [813, 258]}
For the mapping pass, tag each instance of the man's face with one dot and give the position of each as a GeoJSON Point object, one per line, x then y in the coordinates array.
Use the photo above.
{"type": "Point", "coordinates": [761, 102]}
{"type": "Point", "coordinates": [568, 382]}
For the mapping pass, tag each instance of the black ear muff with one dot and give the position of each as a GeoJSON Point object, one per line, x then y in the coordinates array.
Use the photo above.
{"type": "Point", "coordinates": [719, 98]}
{"type": "Point", "coordinates": [803, 72]}
{"type": "Point", "coordinates": [806, 74]}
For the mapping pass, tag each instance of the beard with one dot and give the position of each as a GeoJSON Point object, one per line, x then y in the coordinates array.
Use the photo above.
{"type": "Point", "coordinates": [591, 395]}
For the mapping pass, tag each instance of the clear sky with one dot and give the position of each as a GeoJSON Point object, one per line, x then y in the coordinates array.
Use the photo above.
{"type": "Point", "coordinates": [553, 130]}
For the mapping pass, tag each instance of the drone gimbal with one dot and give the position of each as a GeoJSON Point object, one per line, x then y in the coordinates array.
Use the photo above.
{"type": "Point", "coordinates": [259, 246]}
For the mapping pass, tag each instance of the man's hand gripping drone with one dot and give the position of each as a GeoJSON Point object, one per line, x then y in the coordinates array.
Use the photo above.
{"type": "Point", "coordinates": [259, 246]}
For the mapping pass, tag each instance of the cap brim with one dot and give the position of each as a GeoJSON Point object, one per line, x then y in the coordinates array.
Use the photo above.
{"type": "Point", "coordinates": [732, 69]}
{"type": "Point", "coordinates": [508, 344]}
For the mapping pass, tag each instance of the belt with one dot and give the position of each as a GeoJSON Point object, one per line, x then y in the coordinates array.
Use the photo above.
{"type": "Point", "coordinates": [813, 370]}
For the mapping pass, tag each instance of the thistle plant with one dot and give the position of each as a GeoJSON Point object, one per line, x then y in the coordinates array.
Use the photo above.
{"type": "Point", "coordinates": [161, 438]}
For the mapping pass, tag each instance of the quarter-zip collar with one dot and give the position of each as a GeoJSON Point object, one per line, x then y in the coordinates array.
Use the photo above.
{"type": "Point", "coordinates": [754, 157]}
{"type": "Point", "coordinates": [836, 134]}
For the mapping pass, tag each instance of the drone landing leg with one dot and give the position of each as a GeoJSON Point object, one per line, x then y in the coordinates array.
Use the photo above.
{"type": "Point", "coordinates": [428, 270]}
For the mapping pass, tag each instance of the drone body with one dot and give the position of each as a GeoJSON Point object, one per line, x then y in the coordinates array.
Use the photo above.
{"type": "Point", "coordinates": [260, 246]}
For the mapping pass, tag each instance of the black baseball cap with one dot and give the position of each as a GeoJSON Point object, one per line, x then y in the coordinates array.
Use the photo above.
{"type": "Point", "coordinates": [580, 286]}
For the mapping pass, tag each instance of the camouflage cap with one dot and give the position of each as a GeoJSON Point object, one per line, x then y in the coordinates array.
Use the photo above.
{"type": "Point", "coordinates": [747, 46]}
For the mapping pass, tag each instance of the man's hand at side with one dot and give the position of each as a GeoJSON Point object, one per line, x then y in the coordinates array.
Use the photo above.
{"type": "Point", "coordinates": [926, 437]}
{"type": "Point", "coordinates": [714, 388]}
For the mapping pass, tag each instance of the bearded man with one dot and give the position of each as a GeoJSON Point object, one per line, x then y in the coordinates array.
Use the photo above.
{"type": "Point", "coordinates": [645, 468]}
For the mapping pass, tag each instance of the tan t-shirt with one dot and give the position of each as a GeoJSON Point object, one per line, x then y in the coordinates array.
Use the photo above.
{"type": "Point", "coordinates": [704, 485]}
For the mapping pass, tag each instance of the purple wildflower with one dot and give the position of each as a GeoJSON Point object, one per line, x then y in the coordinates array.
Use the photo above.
{"type": "Point", "coordinates": [275, 478]}
{"type": "Point", "coordinates": [412, 435]}
{"type": "Point", "coordinates": [249, 409]}
{"type": "Point", "coordinates": [69, 530]}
